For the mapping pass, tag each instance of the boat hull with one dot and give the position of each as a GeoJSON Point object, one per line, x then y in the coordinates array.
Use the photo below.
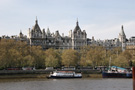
{"type": "Point", "coordinates": [62, 77]}
{"type": "Point", "coordinates": [116, 75]}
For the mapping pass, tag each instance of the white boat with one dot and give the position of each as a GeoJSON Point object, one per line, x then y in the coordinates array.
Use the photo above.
{"type": "Point", "coordinates": [65, 74]}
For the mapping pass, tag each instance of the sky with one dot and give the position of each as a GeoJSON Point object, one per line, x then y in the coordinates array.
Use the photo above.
{"type": "Point", "coordinates": [100, 18]}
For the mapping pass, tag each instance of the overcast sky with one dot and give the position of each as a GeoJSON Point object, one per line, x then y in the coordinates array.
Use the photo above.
{"type": "Point", "coordinates": [100, 18]}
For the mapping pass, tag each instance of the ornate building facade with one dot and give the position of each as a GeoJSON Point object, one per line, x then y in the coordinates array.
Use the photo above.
{"type": "Point", "coordinates": [46, 39]}
{"type": "Point", "coordinates": [121, 41]}
{"type": "Point", "coordinates": [76, 39]}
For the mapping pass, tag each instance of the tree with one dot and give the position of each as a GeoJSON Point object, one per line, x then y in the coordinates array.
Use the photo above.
{"type": "Point", "coordinates": [27, 61]}
{"type": "Point", "coordinates": [123, 59]}
{"type": "Point", "coordinates": [38, 56]}
{"type": "Point", "coordinates": [70, 57]}
{"type": "Point", "coordinates": [96, 56]}
{"type": "Point", "coordinates": [128, 57]}
{"type": "Point", "coordinates": [52, 58]}
{"type": "Point", "coordinates": [83, 53]}
{"type": "Point", "coordinates": [120, 61]}
{"type": "Point", "coordinates": [18, 54]}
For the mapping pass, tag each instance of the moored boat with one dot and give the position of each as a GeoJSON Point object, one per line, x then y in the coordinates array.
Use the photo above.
{"type": "Point", "coordinates": [65, 74]}
{"type": "Point", "coordinates": [116, 75]}
{"type": "Point", "coordinates": [117, 72]}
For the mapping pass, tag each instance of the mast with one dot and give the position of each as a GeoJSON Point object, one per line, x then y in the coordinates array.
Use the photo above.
{"type": "Point", "coordinates": [110, 62]}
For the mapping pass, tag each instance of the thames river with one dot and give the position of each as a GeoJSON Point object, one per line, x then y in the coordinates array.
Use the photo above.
{"type": "Point", "coordinates": [66, 84]}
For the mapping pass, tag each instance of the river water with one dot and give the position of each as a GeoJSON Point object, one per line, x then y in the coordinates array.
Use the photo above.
{"type": "Point", "coordinates": [66, 84]}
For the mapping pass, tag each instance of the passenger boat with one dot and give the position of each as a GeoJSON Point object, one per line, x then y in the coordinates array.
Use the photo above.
{"type": "Point", "coordinates": [117, 72]}
{"type": "Point", "coordinates": [65, 74]}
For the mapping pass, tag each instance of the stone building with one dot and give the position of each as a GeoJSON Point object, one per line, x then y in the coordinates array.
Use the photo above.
{"type": "Point", "coordinates": [46, 39]}
{"type": "Point", "coordinates": [122, 38]}
{"type": "Point", "coordinates": [20, 37]}
{"type": "Point", "coordinates": [112, 43]}
{"type": "Point", "coordinates": [76, 39]}
{"type": "Point", "coordinates": [130, 45]}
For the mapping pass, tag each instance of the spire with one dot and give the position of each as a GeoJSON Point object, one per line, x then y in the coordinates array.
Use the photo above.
{"type": "Point", "coordinates": [77, 22]}
{"type": "Point", "coordinates": [57, 33]}
{"type": "Point", "coordinates": [20, 35]}
{"type": "Point", "coordinates": [36, 27]}
{"type": "Point", "coordinates": [122, 36]}
{"type": "Point", "coordinates": [77, 27]}
{"type": "Point", "coordinates": [36, 20]}
{"type": "Point", "coordinates": [122, 27]}
{"type": "Point", "coordinates": [43, 33]}
{"type": "Point", "coordinates": [122, 31]}
{"type": "Point", "coordinates": [48, 32]}
{"type": "Point", "coordinates": [20, 32]}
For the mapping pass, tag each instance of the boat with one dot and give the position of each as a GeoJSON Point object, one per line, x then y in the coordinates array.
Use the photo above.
{"type": "Point", "coordinates": [117, 72]}
{"type": "Point", "coordinates": [65, 74]}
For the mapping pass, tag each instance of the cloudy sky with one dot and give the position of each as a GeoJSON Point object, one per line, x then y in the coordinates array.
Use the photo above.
{"type": "Point", "coordinates": [100, 18]}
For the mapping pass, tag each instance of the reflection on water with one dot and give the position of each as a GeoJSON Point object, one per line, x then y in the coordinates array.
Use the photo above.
{"type": "Point", "coordinates": [66, 84]}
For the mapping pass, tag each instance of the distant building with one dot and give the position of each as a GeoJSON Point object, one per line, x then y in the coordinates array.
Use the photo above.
{"type": "Point", "coordinates": [20, 37]}
{"type": "Point", "coordinates": [130, 45]}
{"type": "Point", "coordinates": [76, 39]}
{"type": "Point", "coordinates": [112, 43]}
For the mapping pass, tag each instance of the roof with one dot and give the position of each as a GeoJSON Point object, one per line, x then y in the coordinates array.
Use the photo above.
{"type": "Point", "coordinates": [118, 67]}
{"type": "Point", "coordinates": [122, 31]}
{"type": "Point", "coordinates": [36, 27]}
{"type": "Point", "coordinates": [77, 27]}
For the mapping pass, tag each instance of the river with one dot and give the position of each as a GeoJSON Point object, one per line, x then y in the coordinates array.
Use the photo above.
{"type": "Point", "coordinates": [66, 84]}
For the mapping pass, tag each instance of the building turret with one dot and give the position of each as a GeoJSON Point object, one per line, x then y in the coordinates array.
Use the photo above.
{"type": "Point", "coordinates": [70, 33]}
{"type": "Point", "coordinates": [77, 28]}
{"type": "Point", "coordinates": [36, 31]}
{"type": "Point", "coordinates": [20, 34]}
{"type": "Point", "coordinates": [29, 33]}
{"type": "Point", "coordinates": [79, 38]}
{"type": "Point", "coordinates": [122, 38]}
{"type": "Point", "coordinates": [48, 32]}
{"type": "Point", "coordinates": [36, 22]}
{"type": "Point", "coordinates": [84, 34]}
{"type": "Point", "coordinates": [43, 33]}
{"type": "Point", "coordinates": [57, 33]}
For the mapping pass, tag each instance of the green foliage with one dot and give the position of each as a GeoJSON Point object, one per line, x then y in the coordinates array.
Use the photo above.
{"type": "Point", "coordinates": [96, 55]}
{"type": "Point", "coordinates": [70, 57]}
{"type": "Point", "coordinates": [20, 54]}
{"type": "Point", "coordinates": [120, 61]}
{"type": "Point", "coordinates": [123, 60]}
{"type": "Point", "coordinates": [52, 58]}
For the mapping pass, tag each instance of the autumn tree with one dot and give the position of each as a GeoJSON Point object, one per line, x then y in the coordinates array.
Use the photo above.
{"type": "Point", "coordinates": [52, 58]}
{"type": "Point", "coordinates": [83, 53]}
{"type": "Point", "coordinates": [128, 57]}
{"type": "Point", "coordinates": [38, 56]}
{"type": "Point", "coordinates": [19, 54]}
{"type": "Point", "coordinates": [123, 60]}
{"type": "Point", "coordinates": [70, 57]}
{"type": "Point", "coordinates": [95, 56]}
